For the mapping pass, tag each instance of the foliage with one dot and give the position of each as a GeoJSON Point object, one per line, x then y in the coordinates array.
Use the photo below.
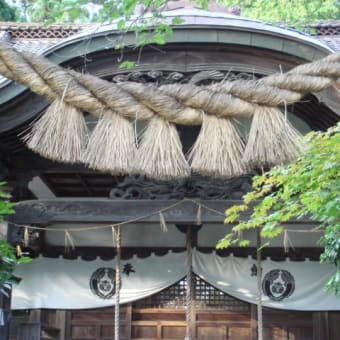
{"type": "Point", "coordinates": [308, 187]}
{"type": "Point", "coordinates": [49, 11]}
{"type": "Point", "coordinates": [291, 11]}
{"type": "Point", "coordinates": [7, 12]}
{"type": "Point", "coordinates": [8, 262]}
{"type": "Point", "coordinates": [6, 208]}
{"type": "Point", "coordinates": [8, 259]}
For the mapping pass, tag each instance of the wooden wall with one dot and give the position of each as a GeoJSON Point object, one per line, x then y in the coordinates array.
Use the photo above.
{"type": "Point", "coordinates": [166, 324]}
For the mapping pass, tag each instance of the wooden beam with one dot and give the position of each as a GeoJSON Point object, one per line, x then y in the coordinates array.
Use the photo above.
{"type": "Point", "coordinates": [45, 212]}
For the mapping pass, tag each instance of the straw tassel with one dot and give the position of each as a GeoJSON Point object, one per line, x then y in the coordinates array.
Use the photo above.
{"type": "Point", "coordinates": [199, 214]}
{"type": "Point", "coordinates": [60, 134]}
{"type": "Point", "coordinates": [111, 147]}
{"type": "Point", "coordinates": [160, 153]}
{"type": "Point", "coordinates": [26, 237]}
{"type": "Point", "coordinates": [18, 250]}
{"type": "Point", "coordinates": [68, 241]}
{"type": "Point", "coordinates": [218, 150]}
{"type": "Point", "coordinates": [272, 139]}
{"type": "Point", "coordinates": [162, 223]}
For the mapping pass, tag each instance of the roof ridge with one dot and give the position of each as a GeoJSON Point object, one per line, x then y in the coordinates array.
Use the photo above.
{"type": "Point", "coordinates": [39, 25]}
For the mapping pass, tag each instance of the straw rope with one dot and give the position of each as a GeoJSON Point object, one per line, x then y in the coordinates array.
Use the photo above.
{"type": "Point", "coordinates": [219, 151]}
{"type": "Point", "coordinates": [179, 103]}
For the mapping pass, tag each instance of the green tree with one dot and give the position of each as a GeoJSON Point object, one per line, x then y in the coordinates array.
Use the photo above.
{"type": "Point", "coordinates": [7, 12]}
{"type": "Point", "coordinates": [291, 11]}
{"type": "Point", "coordinates": [308, 187]}
{"type": "Point", "coordinates": [8, 258]}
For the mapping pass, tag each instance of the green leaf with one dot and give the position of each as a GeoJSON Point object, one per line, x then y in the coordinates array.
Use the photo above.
{"type": "Point", "coordinates": [244, 243]}
{"type": "Point", "coordinates": [128, 64]}
{"type": "Point", "coordinates": [177, 21]}
{"type": "Point", "coordinates": [309, 186]}
{"type": "Point", "coordinates": [8, 259]}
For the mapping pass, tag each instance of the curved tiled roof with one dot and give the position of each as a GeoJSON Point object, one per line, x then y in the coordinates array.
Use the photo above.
{"type": "Point", "coordinates": [36, 36]}
{"type": "Point", "coordinates": [42, 39]}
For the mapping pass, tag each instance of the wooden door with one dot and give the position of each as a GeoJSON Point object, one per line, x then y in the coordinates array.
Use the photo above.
{"type": "Point", "coordinates": [158, 324]}
{"type": "Point", "coordinates": [166, 324]}
{"type": "Point", "coordinates": [214, 316]}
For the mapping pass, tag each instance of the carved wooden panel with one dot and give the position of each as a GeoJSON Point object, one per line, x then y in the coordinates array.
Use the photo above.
{"type": "Point", "coordinates": [198, 187]}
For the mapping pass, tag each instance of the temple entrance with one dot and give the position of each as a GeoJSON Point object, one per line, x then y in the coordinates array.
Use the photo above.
{"type": "Point", "coordinates": [214, 315]}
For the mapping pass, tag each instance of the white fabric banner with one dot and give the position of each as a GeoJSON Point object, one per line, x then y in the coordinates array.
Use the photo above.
{"type": "Point", "coordinates": [285, 285]}
{"type": "Point", "coordinates": [72, 284]}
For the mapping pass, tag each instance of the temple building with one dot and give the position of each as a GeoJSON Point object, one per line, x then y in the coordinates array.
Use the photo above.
{"type": "Point", "coordinates": [137, 227]}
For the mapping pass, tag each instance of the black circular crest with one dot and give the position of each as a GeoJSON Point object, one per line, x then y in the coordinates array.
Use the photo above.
{"type": "Point", "coordinates": [278, 284]}
{"type": "Point", "coordinates": [102, 283]}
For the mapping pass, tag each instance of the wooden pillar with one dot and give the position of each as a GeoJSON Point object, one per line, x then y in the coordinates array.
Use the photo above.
{"type": "Point", "coordinates": [259, 286]}
{"type": "Point", "coordinates": [191, 241]}
{"type": "Point", "coordinates": [253, 321]}
{"type": "Point", "coordinates": [35, 315]}
{"type": "Point", "coordinates": [118, 278]}
{"type": "Point", "coordinates": [128, 326]}
{"type": "Point", "coordinates": [5, 303]}
{"type": "Point", "coordinates": [61, 323]}
{"type": "Point", "coordinates": [320, 326]}
{"type": "Point", "coordinates": [68, 324]}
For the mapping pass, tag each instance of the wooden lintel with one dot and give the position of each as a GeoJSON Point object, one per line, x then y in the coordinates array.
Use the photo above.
{"type": "Point", "coordinates": [46, 212]}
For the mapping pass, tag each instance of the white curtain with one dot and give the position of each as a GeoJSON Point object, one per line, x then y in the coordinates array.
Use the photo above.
{"type": "Point", "coordinates": [303, 284]}
{"type": "Point", "coordinates": [66, 284]}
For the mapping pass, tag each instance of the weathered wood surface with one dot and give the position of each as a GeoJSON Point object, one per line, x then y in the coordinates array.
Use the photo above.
{"type": "Point", "coordinates": [29, 331]}
{"type": "Point", "coordinates": [164, 323]}
{"type": "Point", "coordinates": [5, 305]}
{"type": "Point", "coordinates": [158, 324]}
{"type": "Point", "coordinates": [45, 212]}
